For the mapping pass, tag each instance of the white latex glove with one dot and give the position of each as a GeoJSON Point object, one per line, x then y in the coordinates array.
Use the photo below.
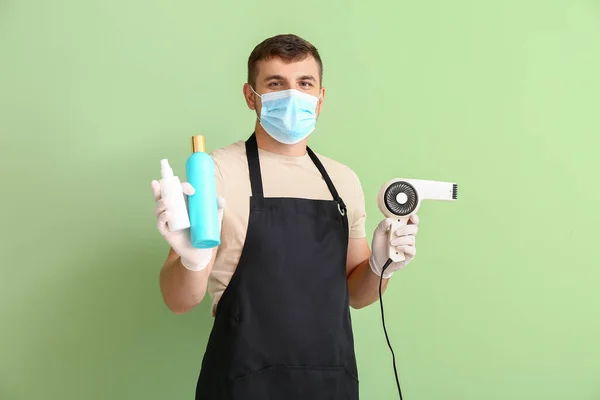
{"type": "Point", "coordinates": [192, 258]}
{"type": "Point", "coordinates": [403, 240]}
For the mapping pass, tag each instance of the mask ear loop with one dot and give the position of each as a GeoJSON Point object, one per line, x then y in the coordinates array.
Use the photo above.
{"type": "Point", "coordinates": [254, 91]}
{"type": "Point", "coordinates": [317, 106]}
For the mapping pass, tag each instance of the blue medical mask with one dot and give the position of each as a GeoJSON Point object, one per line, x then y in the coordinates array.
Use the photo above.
{"type": "Point", "coordinates": [288, 116]}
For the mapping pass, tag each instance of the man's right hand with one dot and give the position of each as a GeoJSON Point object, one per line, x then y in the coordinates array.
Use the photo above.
{"type": "Point", "coordinates": [192, 258]}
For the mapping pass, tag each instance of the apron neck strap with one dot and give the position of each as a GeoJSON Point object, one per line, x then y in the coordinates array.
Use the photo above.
{"type": "Point", "coordinates": [325, 175]}
{"type": "Point", "coordinates": [254, 167]}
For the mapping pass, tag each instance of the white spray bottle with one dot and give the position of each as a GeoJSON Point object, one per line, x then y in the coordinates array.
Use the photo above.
{"type": "Point", "coordinates": [172, 194]}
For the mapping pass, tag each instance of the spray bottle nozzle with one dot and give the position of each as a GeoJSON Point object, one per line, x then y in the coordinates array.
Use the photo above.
{"type": "Point", "coordinates": [165, 168]}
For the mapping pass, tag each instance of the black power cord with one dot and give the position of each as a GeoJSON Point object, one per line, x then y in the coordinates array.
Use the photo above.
{"type": "Point", "coordinates": [387, 264]}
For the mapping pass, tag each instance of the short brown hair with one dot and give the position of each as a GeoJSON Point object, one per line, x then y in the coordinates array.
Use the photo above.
{"type": "Point", "coordinates": [287, 47]}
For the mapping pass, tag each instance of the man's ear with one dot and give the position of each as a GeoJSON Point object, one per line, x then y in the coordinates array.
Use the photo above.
{"type": "Point", "coordinates": [249, 96]}
{"type": "Point", "coordinates": [321, 100]}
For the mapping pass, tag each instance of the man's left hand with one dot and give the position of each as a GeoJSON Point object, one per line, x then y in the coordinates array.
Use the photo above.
{"type": "Point", "coordinates": [403, 239]}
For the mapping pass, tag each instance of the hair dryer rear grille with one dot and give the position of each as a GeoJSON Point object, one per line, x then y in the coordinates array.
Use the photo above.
{"type": "Point", "coordinates": [391, 198]}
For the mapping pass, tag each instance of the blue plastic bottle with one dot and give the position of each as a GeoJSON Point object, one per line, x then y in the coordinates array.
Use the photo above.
{"type": "Point", "coordinates": [203, 210]}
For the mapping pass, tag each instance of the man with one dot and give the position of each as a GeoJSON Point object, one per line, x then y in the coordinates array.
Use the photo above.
{"type": "Point", "coordinates": [293, 255]}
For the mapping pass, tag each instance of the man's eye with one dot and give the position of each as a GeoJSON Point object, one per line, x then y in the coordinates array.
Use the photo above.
{"type": "Point", "coordinates": [273, 84]}
{"type": "Point", "coordinates": [306, 84]}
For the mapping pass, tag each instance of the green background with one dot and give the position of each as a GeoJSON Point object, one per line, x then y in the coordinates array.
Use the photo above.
{"type": "Point", "coordinates": [503, 300]}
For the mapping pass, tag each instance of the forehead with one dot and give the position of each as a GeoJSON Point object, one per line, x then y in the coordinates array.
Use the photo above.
{"type": "Point", "coordinates": [290, 70]}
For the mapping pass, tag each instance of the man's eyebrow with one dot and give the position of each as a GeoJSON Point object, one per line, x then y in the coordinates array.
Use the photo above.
{"type": "Point", "coordinates": [307, 78]}
{"type": "Point", "coordinates": [274, 77]}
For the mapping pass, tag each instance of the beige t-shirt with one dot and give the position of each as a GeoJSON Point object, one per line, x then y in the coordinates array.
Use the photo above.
{"type": "Point", "coordinates": [282, 176]}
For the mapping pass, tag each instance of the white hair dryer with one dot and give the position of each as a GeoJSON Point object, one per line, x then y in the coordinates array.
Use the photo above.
{"type": "Point", "coordinates": [400, 198]}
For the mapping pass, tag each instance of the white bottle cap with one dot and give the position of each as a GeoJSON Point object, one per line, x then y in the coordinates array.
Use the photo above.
{"type": "Point", "coordinates": [165, 169]}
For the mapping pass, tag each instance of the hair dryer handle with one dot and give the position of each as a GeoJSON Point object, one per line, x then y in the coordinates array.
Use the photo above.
{"type": "Point", "coordinates": [397, 223]}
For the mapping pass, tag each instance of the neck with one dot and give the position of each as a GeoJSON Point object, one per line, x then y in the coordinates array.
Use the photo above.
{"type": "Point", "coordinates": [265, 142]}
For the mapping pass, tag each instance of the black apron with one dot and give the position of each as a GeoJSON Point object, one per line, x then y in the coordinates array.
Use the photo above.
{"type": "Point", "coordinates": [282, 329]}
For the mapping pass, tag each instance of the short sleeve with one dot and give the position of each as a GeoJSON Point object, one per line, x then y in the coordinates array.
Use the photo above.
{"type": "Point", "coordinates": [359, 214]}
{"type": "Point", "coordinates": [219, 181]}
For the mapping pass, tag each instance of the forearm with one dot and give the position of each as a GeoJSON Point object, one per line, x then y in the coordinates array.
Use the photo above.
{"type": "Point", "coordinates": [181, 288]}
{"type": "Point", "coordinates": [363, 285]}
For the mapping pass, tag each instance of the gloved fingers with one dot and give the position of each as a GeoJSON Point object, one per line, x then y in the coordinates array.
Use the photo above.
{"type": "Point", "coordinates": [407, 230]}
{"type": "Point", "coordinates": [408, 240]}
{"type": "Point", "coordinates": [161, 223]}
{"type": "Point", "coordinates": [187, 188]}
{"type": "Point", "coordinates": [409, 251]}
{"type": "Point", "coordinates": [414, 219]}
{"type": "Point", "coordinates": [160, 207]}
{"type": "Point", "coordinates": [155, 190]}
{"type": "Point", "coordinates": [383, 227]}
